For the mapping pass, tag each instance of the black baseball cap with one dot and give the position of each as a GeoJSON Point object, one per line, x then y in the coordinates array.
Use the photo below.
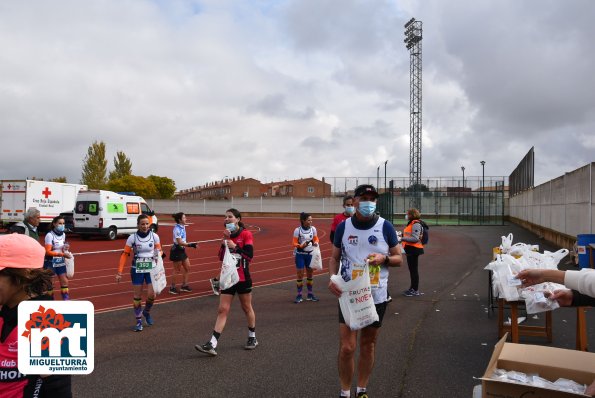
{"type": "Point", "coordinates": [364, 189]}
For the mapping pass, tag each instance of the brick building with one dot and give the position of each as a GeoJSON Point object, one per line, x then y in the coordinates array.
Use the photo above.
{"type": "Point", "coordinates": [302, 188]}
{"type": "Point", "coordinates": [251, 188]}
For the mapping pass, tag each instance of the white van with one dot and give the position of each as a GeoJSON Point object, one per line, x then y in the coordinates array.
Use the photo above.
{"type": "Point", "coordinates": [107, 213]}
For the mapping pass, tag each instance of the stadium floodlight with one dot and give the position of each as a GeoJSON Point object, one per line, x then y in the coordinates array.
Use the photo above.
{"type": "Point", "coordinates": [409, 22]}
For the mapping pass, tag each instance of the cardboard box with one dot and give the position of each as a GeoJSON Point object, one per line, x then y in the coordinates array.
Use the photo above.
{"type": "Point", "coordinates": [549, 362]}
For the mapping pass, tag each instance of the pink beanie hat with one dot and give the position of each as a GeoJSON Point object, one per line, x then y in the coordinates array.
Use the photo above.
{"type": "Point", "coordinates": [20, 251]}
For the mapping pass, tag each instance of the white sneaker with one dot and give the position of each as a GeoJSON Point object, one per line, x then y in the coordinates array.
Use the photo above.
{"type": "Point", "coordinates": [215, 286]}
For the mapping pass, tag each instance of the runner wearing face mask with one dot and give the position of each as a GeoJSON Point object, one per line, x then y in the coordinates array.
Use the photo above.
{"type": "Point", "coordinates": [348, 211]}
{"type": "Point", "coordinates": [305, 238]}
{"type": "Point", "coordinates": [365, 236]}
{"type": "Point", "coordinates": [56, 250]}
{"type": "Point", "coordinates": [241, 245]}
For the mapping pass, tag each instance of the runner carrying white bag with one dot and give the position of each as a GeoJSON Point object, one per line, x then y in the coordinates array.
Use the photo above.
{"type": "Point", "coordinates": [316, 262]}
{"type": "Point", "coordinates": [158, 279]}
{"type": "Point", "coordinates": [356, 301]}
{"type": "Point", "coordinates": [229, 273]}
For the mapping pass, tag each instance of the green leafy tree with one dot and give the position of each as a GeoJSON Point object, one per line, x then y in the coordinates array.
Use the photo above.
{"type": "Point", "coordinates": [122, 166]}
{"type": "Point", "coordinates": [166, 187]}
{"type": "Point", "coordinates": [95, 167]}
{"type": "Point", "coordinates": [140, 185]}
{"type": "Point", "coordinates": [59, 179]}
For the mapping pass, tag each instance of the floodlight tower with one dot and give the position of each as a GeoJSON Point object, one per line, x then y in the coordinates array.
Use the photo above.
{"type": "Point", "coordinates": [413, 36]}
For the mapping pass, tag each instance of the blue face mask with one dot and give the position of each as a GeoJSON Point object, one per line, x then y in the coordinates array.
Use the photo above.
{"type": "Point", "coordinates": [349, 209]}
{"type": "Point", "coordinates": [367, 209]}
{"type": "Point", "coordinates": [230, 227]}
{"type": "Point", "coordinates": [60, 228]}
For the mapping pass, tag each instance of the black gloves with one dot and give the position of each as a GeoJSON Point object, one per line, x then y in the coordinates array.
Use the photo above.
{"type": "Point", "coordinates": [193, 245]}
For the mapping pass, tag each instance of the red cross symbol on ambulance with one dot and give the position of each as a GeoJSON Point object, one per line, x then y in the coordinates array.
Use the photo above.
{"type": "Point", "coordinates": [46, 192]}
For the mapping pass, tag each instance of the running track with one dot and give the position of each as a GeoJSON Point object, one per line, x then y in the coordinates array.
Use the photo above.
{"type": "Point", "coordinates": [96, 260]}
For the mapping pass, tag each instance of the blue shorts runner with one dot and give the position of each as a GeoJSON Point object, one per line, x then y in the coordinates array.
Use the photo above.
{"type": "Point", "coordinates": [138, 278]}
{"type": "Point", "coordinates": [302, 259]}
{"type": "Point", "coordinates": [58, 269]}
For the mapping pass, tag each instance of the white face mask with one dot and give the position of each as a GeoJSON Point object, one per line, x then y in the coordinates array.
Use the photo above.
{"type": "Point", "coordinates": [349, 209]}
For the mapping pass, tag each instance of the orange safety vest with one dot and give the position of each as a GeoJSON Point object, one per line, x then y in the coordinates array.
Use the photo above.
{"type": "Point", "coordinates": [407, 233]}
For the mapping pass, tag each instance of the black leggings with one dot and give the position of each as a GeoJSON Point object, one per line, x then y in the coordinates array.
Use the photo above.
{"type": "Point", "coordinates": [412, 263]}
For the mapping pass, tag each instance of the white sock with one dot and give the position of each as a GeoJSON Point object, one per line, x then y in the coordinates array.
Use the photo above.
{"type": "Point", "coordinates": [361, 389]}
{"type": "Point", "coordinates": [214, 341]}
{"type": "Point", "coordinates": [251, 333]}
{"type": "Point", "coordinates": [345, 393]}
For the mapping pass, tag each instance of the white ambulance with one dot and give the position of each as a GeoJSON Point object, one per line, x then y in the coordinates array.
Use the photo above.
{"type": "Point", "coordinates": [50, 198]}
{"type": "Point", "coordinates": [107, 213]}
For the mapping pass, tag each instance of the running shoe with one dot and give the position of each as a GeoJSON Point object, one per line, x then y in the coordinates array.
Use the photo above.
{"type": "Point", "coordinates": [407, 293]}
{"type": "Point", "coordinates": [412, 293]}
{"type": "Point", "coordinates": [215, 286]}
{"type": "Point", "coordinates": [389, 299]}
{"type": "Point", "coordinates": [251, 343]}
{"type": "Point", "coordinates": [298, 299]}
{"type": "Point", "coordinates": [312, 297]}
{"type": "Point", "coordinates": [207, 348]}
{"type": "Point", "coordinates": [148, 318]}
{"type": "Point", "coordinates": [66, 297]}
{"type": "Point", "coordinates": [185, 288]}
{"type": "Point", "coordinates": [362, 394]}
{"type": "Point", "coordinates": [138, 327]}
{"type": "Point", "coordinates": [173, 290]}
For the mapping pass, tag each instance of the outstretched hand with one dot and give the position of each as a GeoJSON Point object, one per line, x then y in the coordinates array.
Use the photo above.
{"type": "Point", "coordinates": [562, 296]}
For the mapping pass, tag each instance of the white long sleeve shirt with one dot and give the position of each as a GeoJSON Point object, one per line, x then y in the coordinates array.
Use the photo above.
{"type": "Point", "coordinates": [583, 281]}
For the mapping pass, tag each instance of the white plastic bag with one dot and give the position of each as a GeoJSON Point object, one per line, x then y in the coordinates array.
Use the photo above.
{"type": "Point", "coordinates": [536, 297]}
{"type": "Point", "coordinates": [356, 302]}
{"type": "Point", "coordinates": [229, 274]}
{"type": "Point", "coordinates": [506, 243]}
{"type": "Point", "coordinates": [316, 262]}
{"type": "Point", "coordinates": [158, 279]}
{"type": "Point", "coordinates": [69, 263]}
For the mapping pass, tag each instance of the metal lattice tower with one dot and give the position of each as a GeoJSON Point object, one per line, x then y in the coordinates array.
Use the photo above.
{"type": "Point", "coordinates": [413, 36]}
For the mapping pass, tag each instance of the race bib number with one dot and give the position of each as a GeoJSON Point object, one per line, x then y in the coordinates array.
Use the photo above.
{"type": "Point", "coordinates": [58, 261]}
{"type": "Point", "coordinates": [144, 265]}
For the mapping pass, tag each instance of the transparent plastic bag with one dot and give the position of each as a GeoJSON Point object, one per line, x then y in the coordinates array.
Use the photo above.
{"type": "Point", "coordinates": [316, 262]}
{"type": "Point", "coordinates": [356, 302]}
{"type": "Point", "coordinates": [158, 278]}
{"type": "Point", "coordinates": [69, 263]}
{"type": "Point", "coordinates": [229, 273]}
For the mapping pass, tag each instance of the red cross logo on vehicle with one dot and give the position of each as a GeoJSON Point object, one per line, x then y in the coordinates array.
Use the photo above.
{"type": "Point", "coordinates": [46, 192]}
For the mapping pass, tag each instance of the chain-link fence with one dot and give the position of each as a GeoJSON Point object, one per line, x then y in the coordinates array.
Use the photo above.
{"type": "Point", "coordinates": [444, 200]}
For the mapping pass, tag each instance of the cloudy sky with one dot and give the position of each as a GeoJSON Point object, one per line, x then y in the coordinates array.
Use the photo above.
{"type": "Point", "coordinates": [283, 89]}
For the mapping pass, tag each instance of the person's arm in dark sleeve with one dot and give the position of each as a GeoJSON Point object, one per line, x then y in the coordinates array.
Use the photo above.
{"type": "Point", "coordinates": [579, 299]}
{"type": "Point", "coordinates": [246, 251]}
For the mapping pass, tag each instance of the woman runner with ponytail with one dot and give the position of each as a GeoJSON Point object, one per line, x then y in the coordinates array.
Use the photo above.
{"type": "Point", "coordinates": [241, 245]}
{"type": "Point", "coordinates": [56, 250]}
{"type": "Point", "coordinates": [146, 246]}
{"type": "Point", "coordinates": [305, 238]}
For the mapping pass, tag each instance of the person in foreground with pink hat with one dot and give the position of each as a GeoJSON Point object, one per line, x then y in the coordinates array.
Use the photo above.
{"type": "Point", "coordinates": [22, 278]}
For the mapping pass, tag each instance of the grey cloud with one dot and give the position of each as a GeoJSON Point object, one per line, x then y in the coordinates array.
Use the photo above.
{"type": "Point", "coordinates": [275, 105]}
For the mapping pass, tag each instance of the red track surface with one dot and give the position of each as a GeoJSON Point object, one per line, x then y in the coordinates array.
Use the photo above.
{"type": "Point", "coordinates": [96, 260]}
